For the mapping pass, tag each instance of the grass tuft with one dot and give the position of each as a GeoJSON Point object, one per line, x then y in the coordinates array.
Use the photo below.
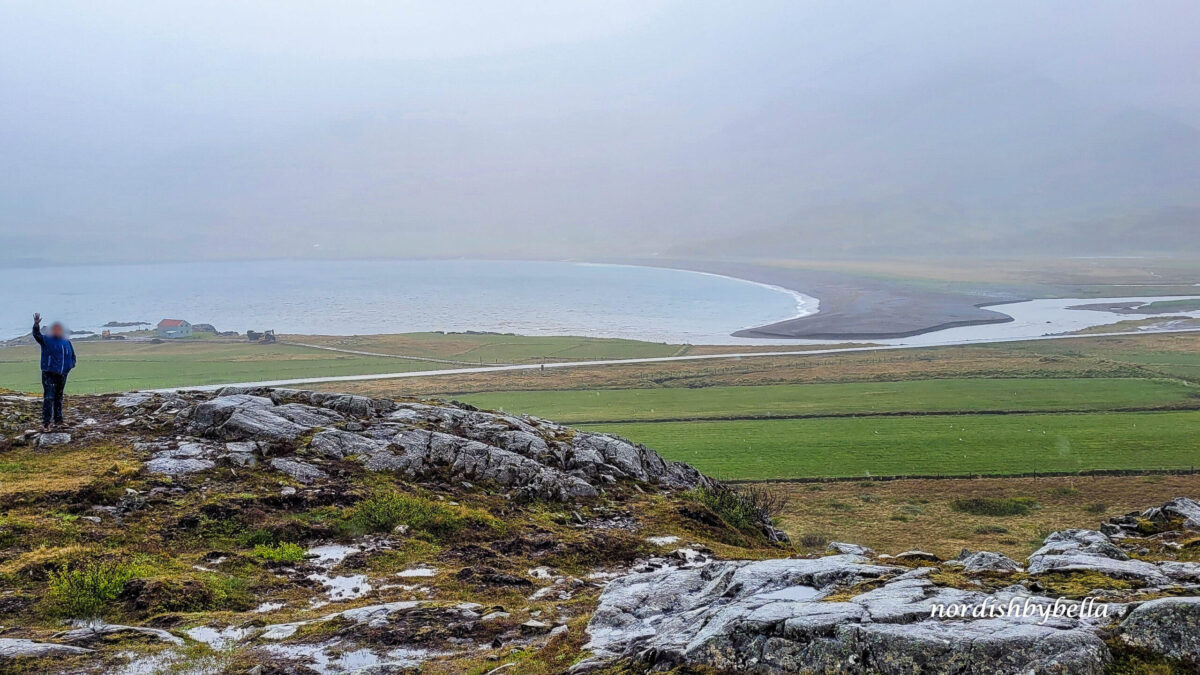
{"type": "Point", "coordinates": [384, 510]}
{"type": "Point", "coordinates": [994, 506]}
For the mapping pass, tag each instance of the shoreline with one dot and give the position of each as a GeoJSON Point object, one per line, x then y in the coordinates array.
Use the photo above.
{"type": "Point", "coordinates": [852, 307]}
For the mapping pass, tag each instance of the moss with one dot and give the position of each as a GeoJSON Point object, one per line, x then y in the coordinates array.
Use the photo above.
{"type": "Point", "coordinates": [286, 552]}
{"type": "Point", "coordinates": [1081, 584]}
{"type": "Point", "coordinates": [1128, 660]}
{"type": "Point", "coordinates": [854, 591]}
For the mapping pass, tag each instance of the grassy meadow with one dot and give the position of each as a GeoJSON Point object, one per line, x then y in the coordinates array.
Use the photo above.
{"type": "Point", "coordinates": [925, 445]}
{"type": "Point", "coordinates": [121, 366]}
{"type": "Point", "coordinates": [111, 366]}
{"type": "Point", "coordinates": [846, 398]}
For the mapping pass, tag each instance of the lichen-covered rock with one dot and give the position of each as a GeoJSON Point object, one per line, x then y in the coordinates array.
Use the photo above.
{"type": "Point", "coordinates": [301, 471]}
{"type": "Point", "coordinates": [50, 440]}
{"type": "Point", "coordinates": [418, 452]}
{"type": "Point", "coordinates": [986, 561]}
{"type": "Point", "coordinates": [11, 648]}
{"type": "Point", "coordinates": [853, 549]}
{"type": "Point", "coordinates": [1167, 626]}
{"type": "Point", "coordinates": [1091, 551]}
{"type": "Point", "coordinates": [336, 444]}
{"type": "Point", "coordinates": [772, 617]}
{"type": "Point", "coordinates": [1180, 513]}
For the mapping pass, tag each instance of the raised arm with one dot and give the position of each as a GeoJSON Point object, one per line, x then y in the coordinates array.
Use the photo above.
{"type": "Point", "coordinates": [37, 329]}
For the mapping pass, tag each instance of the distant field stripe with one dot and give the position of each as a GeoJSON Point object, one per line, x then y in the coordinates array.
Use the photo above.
{"type": "Point", "coordinates": [927, 445]}
{"type": "Point", "coordinates": [853, 398]}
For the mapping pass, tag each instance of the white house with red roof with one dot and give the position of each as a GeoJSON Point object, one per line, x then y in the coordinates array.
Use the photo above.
{"type": "Point", "coordinates": [174, 328]}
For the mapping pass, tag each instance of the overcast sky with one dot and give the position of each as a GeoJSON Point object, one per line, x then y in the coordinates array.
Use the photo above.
{"type": "Point", "coordinates": [167, 130]}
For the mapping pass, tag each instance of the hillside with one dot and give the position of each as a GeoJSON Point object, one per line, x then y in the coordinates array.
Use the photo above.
{"type": "Point", "coordinates": [285, 531]}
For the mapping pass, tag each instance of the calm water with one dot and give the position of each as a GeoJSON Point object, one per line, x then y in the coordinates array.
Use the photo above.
{"type": "Point", "coordinates": [1035, 318]}
{"type": "Point", "coordinates": [363, 297]}
{"type": "Point", "coordinates": [528, 298]}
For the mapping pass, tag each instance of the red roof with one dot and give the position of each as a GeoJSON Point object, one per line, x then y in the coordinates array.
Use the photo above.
{"type": "Point", "coordinates": [171, 323]}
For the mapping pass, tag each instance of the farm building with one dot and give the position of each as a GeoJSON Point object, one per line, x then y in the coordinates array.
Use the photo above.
{"type": "Point", "coordinates": [174, 328]}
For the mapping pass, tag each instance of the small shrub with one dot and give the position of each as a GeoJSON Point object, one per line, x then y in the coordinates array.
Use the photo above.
{"type": "Point", "coordinates": [1064, 491]}
{"type": "Point", "coordinates": [840, 506]}
{"type": "Point", "coordinates": [898, 517]}
{"type": "Point", "coordinates": [815, 487]}
{"type": "Point", "coordinates": [868, 498]}
{"type": "Point", "coordinates": [1097, 509]}
{"type": "Point", "coordinates": [279, 553]}
{"type": "Point", "coordinates": [994, 506]}
{"type": "Point", "coordinates": [910, 509]}
{"type": "Point", "coordinates": [991, 529]}
{"type": "Point", "coordinates": [731, 507]}
{"type": "Point", "coordinates": [83, 592]}
{"type": "Point", "coordinates": [811, 540]}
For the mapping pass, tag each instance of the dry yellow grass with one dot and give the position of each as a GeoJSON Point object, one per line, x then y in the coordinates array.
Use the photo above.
{"type": "Point", "coordinates": [31, 471]}
{"type": "Point", "coordinates": [895, 516]}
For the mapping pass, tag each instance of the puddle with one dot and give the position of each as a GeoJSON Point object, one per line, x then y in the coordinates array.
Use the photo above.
{"type": "Point", "coordinates": [217, 639]}
{"type": "Point", "coordinates": [540, 572]}
{"type": "Point", "coordinates": [318, 658]}
{"type": "Point", "coordinates": [793, 593]}
{"type": "Point", "coordinates": [418, 572]}
{"type": "Point", "coordinates": [168, 662]}
{"type": "Point", "coordinates": [348, 587]}
{"type": "Point", "coordinates": [330, 555]}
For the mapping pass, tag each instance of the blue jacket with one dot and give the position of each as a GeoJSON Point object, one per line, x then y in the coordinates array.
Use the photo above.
{"type": "Point", "coordinates": [58, 356]}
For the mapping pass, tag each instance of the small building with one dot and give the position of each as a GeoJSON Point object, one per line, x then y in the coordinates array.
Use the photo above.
{"type": "Point", "coordinates": [174, 328]}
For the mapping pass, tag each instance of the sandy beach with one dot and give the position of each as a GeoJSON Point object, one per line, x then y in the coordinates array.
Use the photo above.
{"type": "Point", "coordinates": [855, 307]}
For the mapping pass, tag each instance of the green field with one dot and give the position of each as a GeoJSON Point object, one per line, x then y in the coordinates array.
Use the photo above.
{"type": "Point", "coordinates": [926, 445]}
{"type": "Point", "coordinates": [115, 366]}
{"type": "Point", "coordinates": [919, 396]}
{"type": "Point", "coordinates": [124, 365]}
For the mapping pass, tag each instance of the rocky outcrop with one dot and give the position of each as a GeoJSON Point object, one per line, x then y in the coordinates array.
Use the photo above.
{"type": "Point", "coordinates": [848, 613]}
{"type": "Point", "coordinates": [1178, 514]}
{"type": "Point", "coordinates": [777, 616]}
{"type": "Point", "coordinates": [420, 440]}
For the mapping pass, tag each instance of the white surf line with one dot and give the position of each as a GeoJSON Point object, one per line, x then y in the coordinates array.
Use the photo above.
{"type": "Point", "coordinates": [389, 356]}
{"type": "Point", "coordinates": [649, 359]}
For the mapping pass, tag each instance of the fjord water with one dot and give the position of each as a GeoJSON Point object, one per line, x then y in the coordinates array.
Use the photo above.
{"type": "Point", "coordinates": [364, 297]}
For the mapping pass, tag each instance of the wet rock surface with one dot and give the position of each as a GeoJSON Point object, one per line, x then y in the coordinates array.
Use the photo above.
{"type": "Point", "coordinates": [527, 455]}
{"type": "Point", "coordinates": [846, 612]}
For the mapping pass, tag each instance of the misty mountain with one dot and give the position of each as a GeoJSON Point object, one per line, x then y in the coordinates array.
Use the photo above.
{"type": "Point", "coordinates": [596, 129]}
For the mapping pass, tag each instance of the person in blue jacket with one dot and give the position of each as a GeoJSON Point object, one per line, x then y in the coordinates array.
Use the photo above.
{"type": "Point", "coordinates": [58, 358]}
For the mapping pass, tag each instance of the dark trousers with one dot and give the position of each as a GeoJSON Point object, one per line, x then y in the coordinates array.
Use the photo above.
{"type": "Point", "coordinates": [53, 385]}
